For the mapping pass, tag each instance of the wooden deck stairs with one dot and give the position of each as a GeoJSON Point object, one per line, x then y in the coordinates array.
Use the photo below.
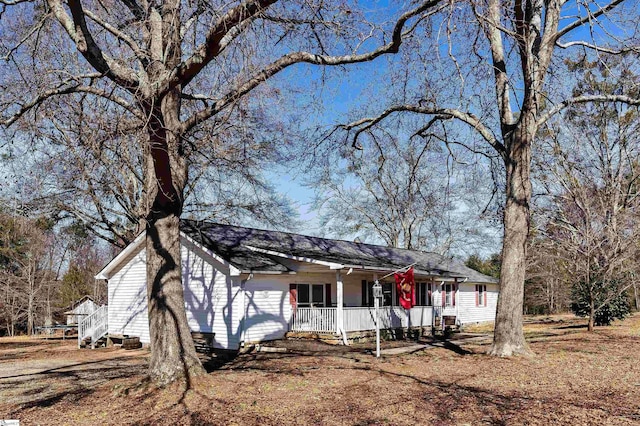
{"type": "Point", "coordinates": [88, 343]}
{"type": "Point", "coordinates": [93, 328]}
{"type": "Point", "coordinates": [93, 333]}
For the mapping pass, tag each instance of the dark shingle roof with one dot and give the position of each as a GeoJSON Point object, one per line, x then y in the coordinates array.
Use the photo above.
{"type": "Point", "coordinates": [231, 242]}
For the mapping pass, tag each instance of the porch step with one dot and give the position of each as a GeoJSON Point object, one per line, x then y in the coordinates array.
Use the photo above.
{"type": "Point", "coordinates": [330, 338]}
{"type": "Point", "coordinates": [203, 341]}
{"type": "Point", "coordinates": [449, 320]}
{"type": "Point", "coordinates": [118, 340]}
{"type": "Point", "coordinates": [131, 343]}
{"type": "Point", "coordinates": [86, 343]}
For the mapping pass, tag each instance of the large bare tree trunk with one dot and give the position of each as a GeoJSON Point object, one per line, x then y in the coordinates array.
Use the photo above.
{"type": "Point", "coordinates": [173, 354]}
{"type": "Point", "coordinates": [508, 334]}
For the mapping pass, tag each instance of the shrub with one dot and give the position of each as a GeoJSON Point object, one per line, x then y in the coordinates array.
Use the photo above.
{"type": "Point", "coordinates": [617, 307]}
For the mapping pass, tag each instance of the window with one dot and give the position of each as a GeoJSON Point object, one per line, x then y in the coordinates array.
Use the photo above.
{"type": "Point", "coordinates": [449, 295]}
{"type": "Point", "coordinates": [388, 294]}
{"type": "Point", "coordinates": [312, 295]}
{"type": "Point", "coordinates": [448, 291]}
{"type": "Point", "coordinates": [367, 293]}
{"type": "Point", "coordinates": [303, 295]}
{"type": "Point", "coordinates": [317, 295]}
{"type": "Point", "coordinates": [481, 295]}
{"type": "Point", "coordinates": [423, 294]}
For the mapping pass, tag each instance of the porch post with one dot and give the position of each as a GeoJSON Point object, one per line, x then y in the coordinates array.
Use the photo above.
{"type": "Point", "coordinates": [376, 304]}
{"type": "Point", "coordinates": [339, 303]}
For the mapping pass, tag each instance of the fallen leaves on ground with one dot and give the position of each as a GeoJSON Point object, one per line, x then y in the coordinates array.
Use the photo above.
{"type": "Point", "coordinates": [576, 377]}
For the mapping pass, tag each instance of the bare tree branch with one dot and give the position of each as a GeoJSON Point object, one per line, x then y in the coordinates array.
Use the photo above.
{"type": "Point", "coordinates": [305, 57]}
{"type": "Point", "coordinates": [26, 107]}
{"type": "Point", "coordinates": [501, 76]}
{"type": "Point", "coordinates": [586, 19]}
{"type": "Point", "coordinates": [135, 9]}
{"type": "Point", "coordinates": [597, 48]}
{"type": "Point", "coordinates": [468, 118]}
{"type": "Point", "coordinates": [586, 99]}
{"type": "Point", "coordinates": [215, 41]}
{"type": "Point", "coordinates": [31, 31]}
{"type": "Point", "coordinates": [140, 54]}
{"type": "Point", "coordinates": [77, 29]}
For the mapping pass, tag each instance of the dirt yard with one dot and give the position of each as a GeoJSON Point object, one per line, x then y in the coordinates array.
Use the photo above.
{"type": "Point", "coordinates": [575, 378]}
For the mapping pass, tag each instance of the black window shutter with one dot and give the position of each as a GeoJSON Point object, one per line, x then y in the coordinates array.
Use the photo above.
{"type": "Point", "coordinates": [327, 297]}
{"type": "Point", "coordinates": [364, 293]}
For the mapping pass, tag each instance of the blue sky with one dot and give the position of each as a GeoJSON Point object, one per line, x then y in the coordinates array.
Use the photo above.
{"type": "Point", "coordinates": [341, 96]}
{"type": "Point", "coordinates": [339, 100]}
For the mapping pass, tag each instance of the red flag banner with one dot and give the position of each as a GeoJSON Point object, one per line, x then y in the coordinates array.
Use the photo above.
{"type": "Point", "coordinates": [406, 287]}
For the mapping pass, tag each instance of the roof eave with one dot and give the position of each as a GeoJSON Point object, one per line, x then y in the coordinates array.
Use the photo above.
{"type": "Point", "coordinates": [234, 271]}
{"type": "Point", "coordinates": [331, 265]}
{"type": "Point", "coordinates": [105, 273]}
{"type": "Point", "coordinates": [266, 272]}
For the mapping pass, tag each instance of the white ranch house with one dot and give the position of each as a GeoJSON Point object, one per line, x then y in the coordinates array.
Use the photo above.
{"type": "Point", "coordinates": [248, 285]}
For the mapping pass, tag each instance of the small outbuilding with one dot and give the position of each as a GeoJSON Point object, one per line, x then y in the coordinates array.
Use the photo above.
{"type": "Point", "coordinates": [80, 309]}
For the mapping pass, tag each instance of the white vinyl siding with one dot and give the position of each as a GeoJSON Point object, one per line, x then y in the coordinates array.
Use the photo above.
{"type": "Point", "coordinates": [268, 308]}
{"type": "Point", "coordinates": [211, 298]}
{"type": "Point", "coordinates": [128, 299]}
{"type": "Point", "coordinates": [353, 288]}
{"type": "Point", "coordinates": [468, 312]}
{"type": "Point", "coordinates": [268, 304]}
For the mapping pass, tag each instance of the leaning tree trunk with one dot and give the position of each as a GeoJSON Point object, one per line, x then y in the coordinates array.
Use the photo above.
{"type": "Point", "coordinates": [508, 334]}
{"type": "Point", "coordinates": [173, 354]}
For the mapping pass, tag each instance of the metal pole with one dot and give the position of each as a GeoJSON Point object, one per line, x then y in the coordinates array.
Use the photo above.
{"type": "Point", "coordinates": [376, 304]}
{"type": "Point", "coordinates": [398, 270]}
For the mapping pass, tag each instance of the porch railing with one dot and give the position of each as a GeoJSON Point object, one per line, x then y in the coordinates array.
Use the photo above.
{"type": "Point", "coordinates": [360, 318]}
{"type": "Point", "coordinates": [94, 326]}
{"type": "Point", "coordinates": [437, 312]}
{"type": "Point", "coordinates": [314, 319]}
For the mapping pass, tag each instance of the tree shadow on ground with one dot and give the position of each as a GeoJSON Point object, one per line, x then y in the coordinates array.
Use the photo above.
{"type": "Point", "coordinates": [445, 399]}
{"type": "Point", "coordinates": [448, 344]}
{"type": "Point", "coordinates": [218, 359]}
{"type": "Point", "coordinates": [571, 327]}
{"type": "Point", "coordinates": [68, 382]}
{"type": "Point", "coordinates": [250, 360]}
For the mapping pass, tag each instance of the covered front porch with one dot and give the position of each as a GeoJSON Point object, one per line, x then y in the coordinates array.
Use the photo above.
{"type": "Point", "coordinates": [325, 320]}
{"type": "Point", "coordinates": [313, 310]}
